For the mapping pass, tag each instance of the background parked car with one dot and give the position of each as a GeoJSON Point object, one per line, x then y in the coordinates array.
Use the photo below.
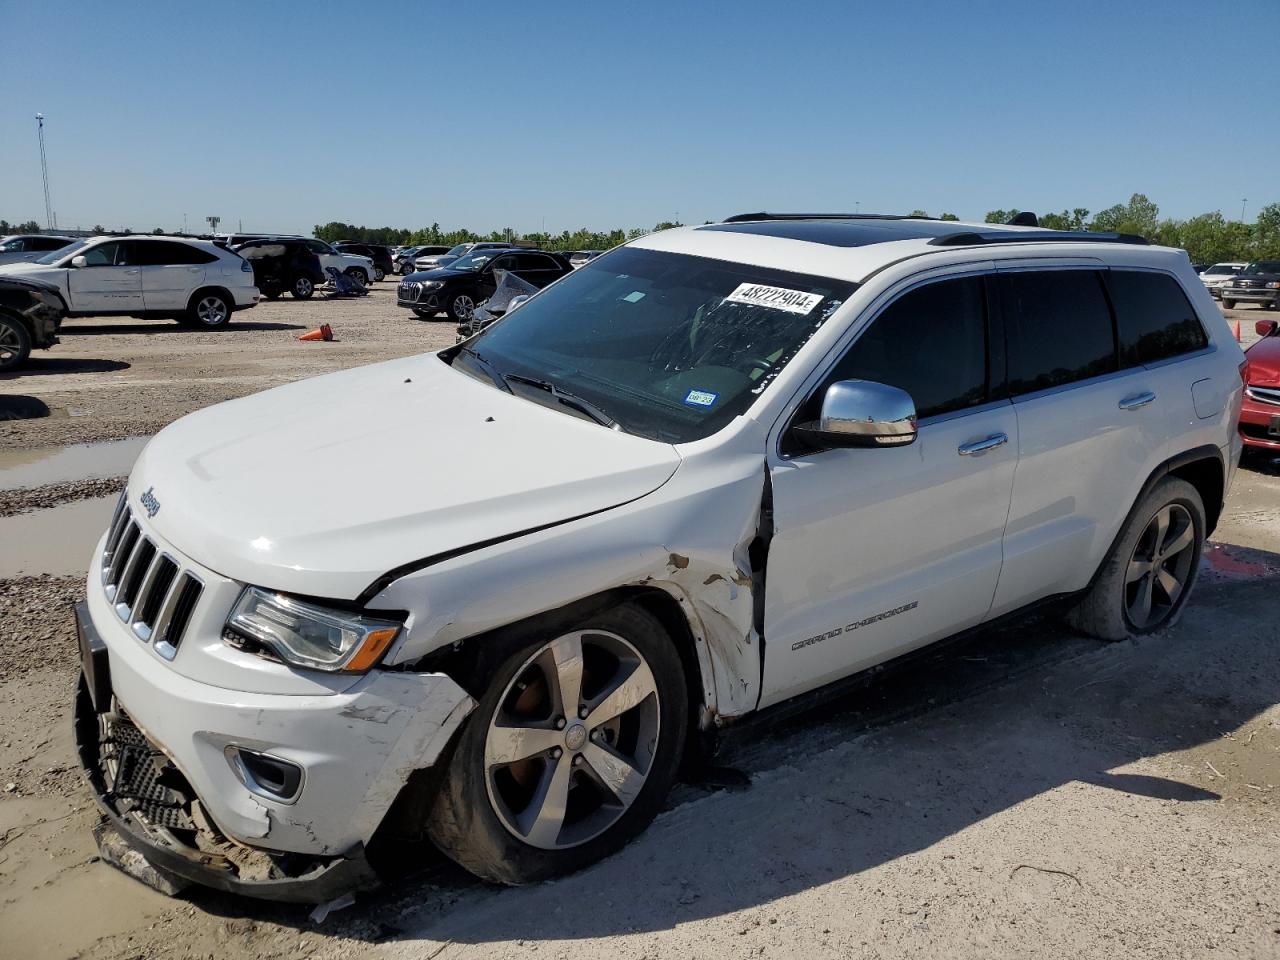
{"type": "Point", "coordinates": [582, 257]}
{"type": "Point", "coordinates": [28, 246]}
{"type": "Point", "coordinates": [380, 255]}
{"type": "Point", "coordinates": [140, 276]}
{"type": "Point", "coordinates": [352, 264]}
{"type": "Point", "coordinates": [1219, 273]}
{"type": "Point", "coordinates": [1258, 283]}
{"type": "Point", "coordinates": [30, 315]}
{"type": "Point", "coordinates": [283, 265]}
{"type": "Point", "coordinates": [469, 280]}
{"type": "Point", "coordinates": [1260, 410]}
{"type": "Point", "coordinates": [433, 261]}
{"type": "Point", "coordinates": [404, 259]}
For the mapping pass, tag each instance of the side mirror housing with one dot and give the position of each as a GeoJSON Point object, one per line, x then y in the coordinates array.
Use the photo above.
{"type": "Point", "coordinates": [1265, 328]}
{"type": "Point", "coordinates": [516, 301]}
{"type": "Point", "coordinates": [862, 413]}
{"type": "Point", "coordinates": [79, 261]}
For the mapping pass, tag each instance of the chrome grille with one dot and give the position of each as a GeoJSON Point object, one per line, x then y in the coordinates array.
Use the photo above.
{"type": "Point", "coordinates": [410, 290]}
{"type": "Point", "coordinates": [1264, 394]}
{"type": "Point", "coordinates": [148, 589]}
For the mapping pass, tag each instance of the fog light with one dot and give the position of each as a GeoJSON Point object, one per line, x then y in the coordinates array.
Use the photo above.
{"type": "Point", "coordinates": [265, 775]}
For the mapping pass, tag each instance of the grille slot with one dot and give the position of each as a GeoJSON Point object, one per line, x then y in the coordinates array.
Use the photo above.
{"type": "Point", "coordinates": [148, 589]}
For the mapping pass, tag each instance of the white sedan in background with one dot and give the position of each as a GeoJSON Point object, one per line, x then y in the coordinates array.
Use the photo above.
{"type": "Point", "coordinates": [143, 276]}
{"type": "Point", "coordinates": [1218, 274]}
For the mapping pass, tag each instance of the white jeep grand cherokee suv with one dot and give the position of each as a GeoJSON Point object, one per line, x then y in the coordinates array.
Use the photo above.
{"type": "Point", "coordinates": [715, 469]}
{"type": "Point", "coordinates": [141, 276]}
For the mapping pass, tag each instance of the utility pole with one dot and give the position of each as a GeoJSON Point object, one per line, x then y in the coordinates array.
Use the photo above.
{"type": "Point", "coordinates": [1242, 203]}
{"type": "Point", "coordinates": [213, 223]}
{"type": "Point", "coordinates": [49, 218]}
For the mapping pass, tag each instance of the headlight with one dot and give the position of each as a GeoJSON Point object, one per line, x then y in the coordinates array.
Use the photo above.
{"type": "Point", "coordinates": [306, 635]}
{"type": "Point", "coordinates": [432, 284]}
{"type": "Point", "coordinates": [1274, 285]}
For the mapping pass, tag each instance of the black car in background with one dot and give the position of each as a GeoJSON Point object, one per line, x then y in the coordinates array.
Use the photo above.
{"type": "Point", "coordinates": [283, 264]}
{"type": "Point", "coordinates": [30, 315]}
{"type": "Point", "coordinates": [379, 254]}
{"type": "Point", "coordinates": [470, 280]}
{"type": "Point", "coordinates": [404, 259]}
{"type": "Point", "coordinates": [1258, 283]}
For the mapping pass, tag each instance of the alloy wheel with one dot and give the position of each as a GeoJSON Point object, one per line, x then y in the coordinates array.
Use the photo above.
{"type": "Point", "coordinates": [211, 311]}
{"type": "Point", "coordinates": [572, 739]}
{"type": "Point", "coordinates": [463, 307]}
{"type": "Point", "coordinates": [303, 287]}
{"type": "Point", "coordinates": [1161, 567]}
{"type": "Point", "coordinates": [10, 345]}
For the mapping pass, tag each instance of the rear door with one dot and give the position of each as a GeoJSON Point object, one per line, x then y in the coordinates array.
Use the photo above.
{"type": "Point", "coordinates": [1090, 431]}
{"type": "Point", "coordinates": [171, 271]}
{"type": "Point", "coordinates": [109, 282]}
{"type": "Point", "coordinates": [537, 268]}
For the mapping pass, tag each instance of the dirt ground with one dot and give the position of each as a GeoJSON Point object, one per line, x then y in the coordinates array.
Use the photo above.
{"type": "Point", "coordinates": [1029, 793]}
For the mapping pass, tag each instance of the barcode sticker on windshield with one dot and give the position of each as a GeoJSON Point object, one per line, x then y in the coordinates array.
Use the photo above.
{"type": "Point", "coordinates": [776, 298]}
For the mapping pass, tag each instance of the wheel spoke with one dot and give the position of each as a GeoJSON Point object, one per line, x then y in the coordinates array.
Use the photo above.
{"type": "Point", "coordinates": [630, 691]}
{"type": "Point", "coordinates": [508, 744]}
{"type": "Point", "coordinates": [1180, 541]}
{"type": "Point", "coordinates": [566, 654]}
{"type": "Point", "coordinates": [1170, 584]}
{"type": "Point", "coordinates": [615, 771]}
{"type": "Point", "coordinates": [543, 819]}
{"type": "Point", "coordinates": [1137, 570]}
{"type": "Point", "coordinates": [1161, 524]}
{"type": "Point", "coordinates": [1146, 599]}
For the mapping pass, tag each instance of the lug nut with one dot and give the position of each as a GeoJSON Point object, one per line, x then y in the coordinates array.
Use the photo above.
{"type": "Point", "coordinates": [559, 723]}
{"type": "Point", "coordinates": [583, 713]}
{"type": "Point", "coordinates": [555, 753]}
{"type": "Point", "coordinates": [577, 761]}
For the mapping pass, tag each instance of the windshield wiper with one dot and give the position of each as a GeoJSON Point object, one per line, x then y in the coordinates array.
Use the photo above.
{"type": "Point", "coordinates": [568, 399]}
{"type": "Point", "coordinates": [490, 370]}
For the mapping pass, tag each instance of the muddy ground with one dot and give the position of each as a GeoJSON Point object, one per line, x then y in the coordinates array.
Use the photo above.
{"type": "Point", "coordinates": [1029, 793]}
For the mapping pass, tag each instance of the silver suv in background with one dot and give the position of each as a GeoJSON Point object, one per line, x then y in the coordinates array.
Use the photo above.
{"type": "Point", "coordinates": [21, 248]}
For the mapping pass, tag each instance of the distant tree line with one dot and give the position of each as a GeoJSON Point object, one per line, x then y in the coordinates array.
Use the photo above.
{"type": "Point", "coordinates": [1207, 238]}
{"type": "Point", "coordinates": [582, 239]}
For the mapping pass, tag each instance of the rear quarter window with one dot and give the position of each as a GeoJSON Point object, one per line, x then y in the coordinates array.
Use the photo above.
{"type": "Point", "coordinates": [1154, 318]}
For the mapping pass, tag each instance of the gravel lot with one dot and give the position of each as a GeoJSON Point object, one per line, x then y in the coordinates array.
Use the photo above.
{"type": "Point", "coordinates": [1030, 793]}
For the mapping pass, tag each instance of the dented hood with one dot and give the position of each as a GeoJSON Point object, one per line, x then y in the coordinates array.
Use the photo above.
{"type": "Point", "coordinates": [322, 486]}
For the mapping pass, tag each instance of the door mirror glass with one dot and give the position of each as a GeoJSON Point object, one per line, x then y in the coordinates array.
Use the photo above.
{"type": "Point", "coordinates": [1265, 328]}
{"type": "Point", "coordinates": [79, 261]}
{"type": "Point", "coordinates": [862, 413]}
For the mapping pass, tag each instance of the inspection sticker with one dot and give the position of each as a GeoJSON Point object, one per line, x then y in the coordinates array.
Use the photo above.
{"type": "Point", "coordinates": [701, 398]}
{"type": "Point", "coordinates": [776, 298]}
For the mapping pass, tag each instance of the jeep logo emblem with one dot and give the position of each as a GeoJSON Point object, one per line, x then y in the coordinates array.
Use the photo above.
{"type": "Point", "coordinates": [150, 502]}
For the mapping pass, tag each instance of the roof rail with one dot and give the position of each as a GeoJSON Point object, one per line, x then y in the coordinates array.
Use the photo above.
{"type": "Point", "coordinates": [972, 238]}
{"type": "Point", "coordinates": [749, 217]}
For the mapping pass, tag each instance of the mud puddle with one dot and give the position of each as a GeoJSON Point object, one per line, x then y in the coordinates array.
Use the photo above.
{"type": "Point", "coordinates": [58, 541]}
{"type": "Point", "coordinates": [82, 461]}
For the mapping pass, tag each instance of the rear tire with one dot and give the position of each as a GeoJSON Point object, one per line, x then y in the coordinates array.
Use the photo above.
{"type": "Point", "coordinates": [15, 344]}
{"type": "Point", "coordinates": [1229, 304]}
{"type": "Point", "coordinates": [209, 310]}
{"type": "Point", "coordinates": [379, 274]}
{"type": "Point", "coordinates": [535, 789]}
{"type": "Point", "coordinates": [1144, 583]}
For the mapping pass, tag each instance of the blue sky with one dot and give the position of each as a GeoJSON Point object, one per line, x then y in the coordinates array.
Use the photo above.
{"type": "Point", "coordinates": [486, 115]}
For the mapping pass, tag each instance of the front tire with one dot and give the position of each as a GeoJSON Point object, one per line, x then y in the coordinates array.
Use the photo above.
{"type": "Point", "coordinates": [379, 274]}
{"type": "Point", "coordinates": [423, 314]}
{"type": "Point", "coordinates": [1229, 304]}
{"type": "Point", "coordinates": [571, 750]}
{"type": "Point", "coordinates": [302, 288]}
{"type": "Point", "coordinates": [1145, 581]}
{"type": "Point", "coordinates": [15, 344]}
{"type": "Point", "coordinates": [460, 307]}
{"type": "Point", "coordinates": [358, 275]}
{"type": "Point", "coordinates": [209, 310]}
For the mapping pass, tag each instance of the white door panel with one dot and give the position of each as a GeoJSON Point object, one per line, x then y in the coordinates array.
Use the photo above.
{"type": "Point", "coordinates": [105, 289]}
{"type": "Point", "coordinates": [168, 287]}
{"type": "Point", "coordinates": [878, 551]}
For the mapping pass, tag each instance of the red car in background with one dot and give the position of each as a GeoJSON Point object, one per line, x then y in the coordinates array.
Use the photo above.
{"type": "Point", "coordinates": [1260, 413]}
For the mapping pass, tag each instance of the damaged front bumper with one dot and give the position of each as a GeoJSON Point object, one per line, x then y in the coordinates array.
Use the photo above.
{"type": "Point", "coordinates": [159, 751]}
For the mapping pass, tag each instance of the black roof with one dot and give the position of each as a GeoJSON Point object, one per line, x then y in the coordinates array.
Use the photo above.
{"type": "Point", "coordinates": [845, 232]}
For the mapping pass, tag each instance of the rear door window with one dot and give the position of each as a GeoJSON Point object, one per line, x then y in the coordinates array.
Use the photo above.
{"type": "Point", "coordinates": [164, 253]}
{"type": "Point", "coordinates": [1058, 328]}
{"type": "Point", "coordinates": [930, 342]}
{"type": "Point", "coordinates": [1154, 318]}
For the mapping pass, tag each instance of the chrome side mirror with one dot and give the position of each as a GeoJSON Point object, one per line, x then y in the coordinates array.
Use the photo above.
{"type": "Point", "coordinates": [862, 413]}
{"type": "Point", "coordinates": [79, 261]}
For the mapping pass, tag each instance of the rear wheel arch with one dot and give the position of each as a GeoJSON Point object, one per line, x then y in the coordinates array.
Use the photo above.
{"type": "Point", "coordinates": [1206, 474]}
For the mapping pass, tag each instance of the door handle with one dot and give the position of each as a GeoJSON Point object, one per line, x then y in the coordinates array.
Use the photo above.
{"type": "Point", "coordinates": [981, 446]}
{"type": "Point", "coordinates": [130, 273]}
{"type": "Point", "coordinates": [1137, 400]}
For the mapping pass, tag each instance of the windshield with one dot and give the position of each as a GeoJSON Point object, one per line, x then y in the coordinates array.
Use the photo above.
{"type": "Point", "coordinates": [1223, 268]}
{"type": "Point", "coordinates": [70, 250]}
{"type": "Point", "coordinates": [473, 263]}
{"type": "Point", "coordinates": [1261, 266]}
{"type": "Point", "coordinates": [459, 250]}
{"type": "Point", "coordinates": [670, 346]}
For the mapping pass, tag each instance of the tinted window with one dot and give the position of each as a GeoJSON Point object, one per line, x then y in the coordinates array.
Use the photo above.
{"type": "Point", "coordinates": [318, 246]}
{"type": "Point", "coordinates": [1154, 317]}
{"type": "Point", "coordinates": [1057, 328]}
{"type": "Point", "coordinates": [160, 253]}
{"type": "Point", "coordinates": [536, 261]}
{"type": "Point", "coordinates": [47, 243]}
{"type": "Point", "coordinates": [508, 263]}
{"type": "Point", "coordinates": [930, 342]}
{"type": "Point", "coordinates": [1261, 266]}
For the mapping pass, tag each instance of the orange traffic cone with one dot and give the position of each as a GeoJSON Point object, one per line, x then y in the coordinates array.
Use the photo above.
{"type": "Point", "coordinates": [1237, 331]}
{"type": "Point", "coordinates": [325, 332]}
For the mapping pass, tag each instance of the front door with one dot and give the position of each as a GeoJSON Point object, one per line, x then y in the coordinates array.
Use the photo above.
{"type": "Point", "coordinates": [878, 551]}
{"type": "Point", "coordinates": [109, 282]}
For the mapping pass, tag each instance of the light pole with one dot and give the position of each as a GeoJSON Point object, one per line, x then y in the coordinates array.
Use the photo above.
{"type": "Point", "coordinates": [1242, 203]}
{"type": "Point", "coordinates": [44, 174]}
